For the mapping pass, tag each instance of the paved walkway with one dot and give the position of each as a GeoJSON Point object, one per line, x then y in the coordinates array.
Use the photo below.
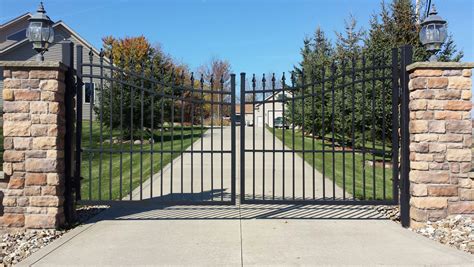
{"type": "Point", "coordinates": [196, 175]}
{"type": "Point", "coordinates": [144, 233]}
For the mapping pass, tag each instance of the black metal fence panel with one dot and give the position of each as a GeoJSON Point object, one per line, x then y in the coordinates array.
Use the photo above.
{"type": "Point", "coordinates": [327, 135]}
{"type": "Point", "coordinates": [155, 134]}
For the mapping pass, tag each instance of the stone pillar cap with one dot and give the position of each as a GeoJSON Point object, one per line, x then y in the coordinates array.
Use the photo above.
{"type": "Point", "coordinates": [440, 65]}
{"type": "Point", "coordinates": [34, 64]}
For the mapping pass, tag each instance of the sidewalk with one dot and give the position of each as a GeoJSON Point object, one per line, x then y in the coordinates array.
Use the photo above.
{"type": "Point", "coordinates": [144, 234]}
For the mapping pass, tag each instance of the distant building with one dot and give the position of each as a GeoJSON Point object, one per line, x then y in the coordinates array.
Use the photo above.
{"type": "Point", "coordinates": [269, 110]}
{"type": "Point", "coordinates": [247, 113]}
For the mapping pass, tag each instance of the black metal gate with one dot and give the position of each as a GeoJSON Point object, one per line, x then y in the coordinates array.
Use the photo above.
{"type": "Point", "coordinates": [328, 135]}
{"type": "Point", "coordinates": [156, 134]}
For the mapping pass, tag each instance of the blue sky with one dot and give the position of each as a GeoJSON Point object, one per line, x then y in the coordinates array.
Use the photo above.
{"type": "Point", "coordinates": [258, 36]}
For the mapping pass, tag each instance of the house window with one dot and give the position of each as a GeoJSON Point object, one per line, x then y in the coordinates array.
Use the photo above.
{"type": "Point", "coordinates": [88, 91]}
{"type": "Point", "coordinates": [17, 36]}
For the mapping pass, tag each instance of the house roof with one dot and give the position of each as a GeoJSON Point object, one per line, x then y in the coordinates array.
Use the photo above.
{"type": "Point", "coordinates": [271, 96]}
{"type": "Point", "coordinates": [248, 109]}
{"type": "Point", "coordinates": [60, 23]}
{"type": "Point", "coordinates": [7, 23]}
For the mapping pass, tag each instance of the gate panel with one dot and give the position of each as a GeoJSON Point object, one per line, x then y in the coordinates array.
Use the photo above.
{"type": "Point", "coordinates": [152, 132]}
{"type": "Point", "coordinates": [329, 135]}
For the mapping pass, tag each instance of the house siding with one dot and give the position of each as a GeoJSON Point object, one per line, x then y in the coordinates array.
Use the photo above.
{"type": "Point", "coordinates": [267, 110]}
{"type": "Point", "coordinates": [24, 52]}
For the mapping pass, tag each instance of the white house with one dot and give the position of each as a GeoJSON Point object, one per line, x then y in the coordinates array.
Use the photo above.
{"type": "Point", "coordinates": [269, 110]}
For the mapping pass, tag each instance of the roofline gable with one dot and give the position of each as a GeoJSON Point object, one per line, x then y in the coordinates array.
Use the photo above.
{"type": "Point", "coordinates": [73, 33]}
{"type": "Point", "coordinates": [9, 22]}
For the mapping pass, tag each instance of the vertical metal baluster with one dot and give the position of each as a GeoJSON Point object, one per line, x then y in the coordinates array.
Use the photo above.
{"type": "Point", "coordinates": [263, 138]}
{"type": "Point", "coordinates": [283, 79]}
{"type": "Point", "coordinates": [303, 130]}
{"type": "Point", "coordinates": [384, 96]}
{"type": "Point", "coordinates": [323, 134]}
{"type": "Point", "coordinates": [254, 81]}
{"type": "Point", "coordinates": [242, 137]}
{"type": "Point", "coordinates": [363, 125]}
{"type": "Point", "coordinates": [192, 134]}
{"type": "Point", "coordinates": [91, 105]}
{"type": "Point", "coordinates": [111, 65]}
{"type": "Point", "coordinates": [142, 89]}
{"type": "Point", "coordinates": [162, 130]}
{"type": "Point", "coordinates": [374, 65]}
{"type": "Point", "coordinates": [293, 130]}
{"type": "Point", "coordinates": [313, 133]}
{"type": "Point", "coordinates": [212, 135]}
{"type": "Point", "coordinates": [172, 132]}
{"type": "Point", "coordinates": [353, 78]}
{"type": "Point", "coordinates": [152, 121]}
{"type": "Point", "coordinates": [182, 130]}
{"type": "Point", "coordinates": [132, 103]}
{"type": "Point", "coordinates": [333, 74]}
{"type": "Point", "coordinates": [202, 134]}
{"type": "Point", "coordinates": [222, 135]}
{"type": "Point", "coordinates": [273, 124]}
{"type": "Point", "coordinates": [343, 119]}
{"type": "Point", "coordinates": [122, 79]}
{"type": "Point", "coordinates": [101, 102]}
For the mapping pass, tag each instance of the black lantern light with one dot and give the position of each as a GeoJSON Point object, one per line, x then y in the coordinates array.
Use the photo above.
{"type": "Point", "coordinates": [40, 31]}
{"type": "Point", "coordinates": [433, 33]}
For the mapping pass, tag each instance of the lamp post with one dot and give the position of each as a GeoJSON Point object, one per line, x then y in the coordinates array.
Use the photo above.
{"type": "Point", "coordinates": [40, 32]}
{"type": "Point", "coordinates": [433, 33]}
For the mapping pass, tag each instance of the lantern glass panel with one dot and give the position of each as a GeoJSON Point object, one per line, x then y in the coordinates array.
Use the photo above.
{"type": "Point", "coordinates": [34, 31]}
{"type": "Point", "coordinates": [423, 37]}
{"type": "Point", "coordinates": [46, 34]}
{"type": "Point", "coordinates": [442, 31]}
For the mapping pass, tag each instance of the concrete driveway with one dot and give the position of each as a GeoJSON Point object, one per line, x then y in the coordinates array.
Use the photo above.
{"type": "Point", "coordinates": [277, 175]}
{"type": "Point", "coordinates": [147, 234]}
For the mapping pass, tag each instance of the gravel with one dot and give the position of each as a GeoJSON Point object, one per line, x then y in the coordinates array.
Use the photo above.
{"type": "Point", "coordinates": [390, 212]}
{"type": "Point", "coordinates": [455, 231]}
{"type": "Point", "coordinates": [16, 245]}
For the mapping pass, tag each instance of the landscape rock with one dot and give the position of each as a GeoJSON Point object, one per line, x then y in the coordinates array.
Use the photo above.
{"type": "Point", "coordinates": [16, 245]}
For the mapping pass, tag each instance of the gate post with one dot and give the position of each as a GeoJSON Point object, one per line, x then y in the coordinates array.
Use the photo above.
{"type": "Point", "coordinates": [406, 59]}
{"type": "Point", "coordinates": [440, 141]}
{"type": "Point", "coordinates": [34, 134]}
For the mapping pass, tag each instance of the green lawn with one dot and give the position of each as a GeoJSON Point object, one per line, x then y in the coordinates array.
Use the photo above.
{"type": "Point", "coordinates": [104, 181]}
{"type": "Point", "coordinates": [349, 168]}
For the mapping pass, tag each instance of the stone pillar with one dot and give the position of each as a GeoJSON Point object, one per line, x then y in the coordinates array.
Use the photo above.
{"type": "Point", "coordinates": [440, 141]}
{"type": "Point", "coordinates": [33, 130]}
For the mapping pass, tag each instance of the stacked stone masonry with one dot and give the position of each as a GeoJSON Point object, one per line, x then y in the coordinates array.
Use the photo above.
{"type": "Point", "coordinates": [440, 144]}
{"type": "Point", "coordinates": [33, 129]}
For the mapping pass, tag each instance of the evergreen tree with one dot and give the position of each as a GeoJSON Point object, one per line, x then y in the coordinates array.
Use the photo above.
{"type": "Point", "coordinates": [394, 26]}
{"type": "Point", "coordinates": [316, 53]}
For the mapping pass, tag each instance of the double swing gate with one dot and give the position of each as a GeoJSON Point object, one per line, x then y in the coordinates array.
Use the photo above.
{"type": "Point", "coordinates": [327, 135]}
